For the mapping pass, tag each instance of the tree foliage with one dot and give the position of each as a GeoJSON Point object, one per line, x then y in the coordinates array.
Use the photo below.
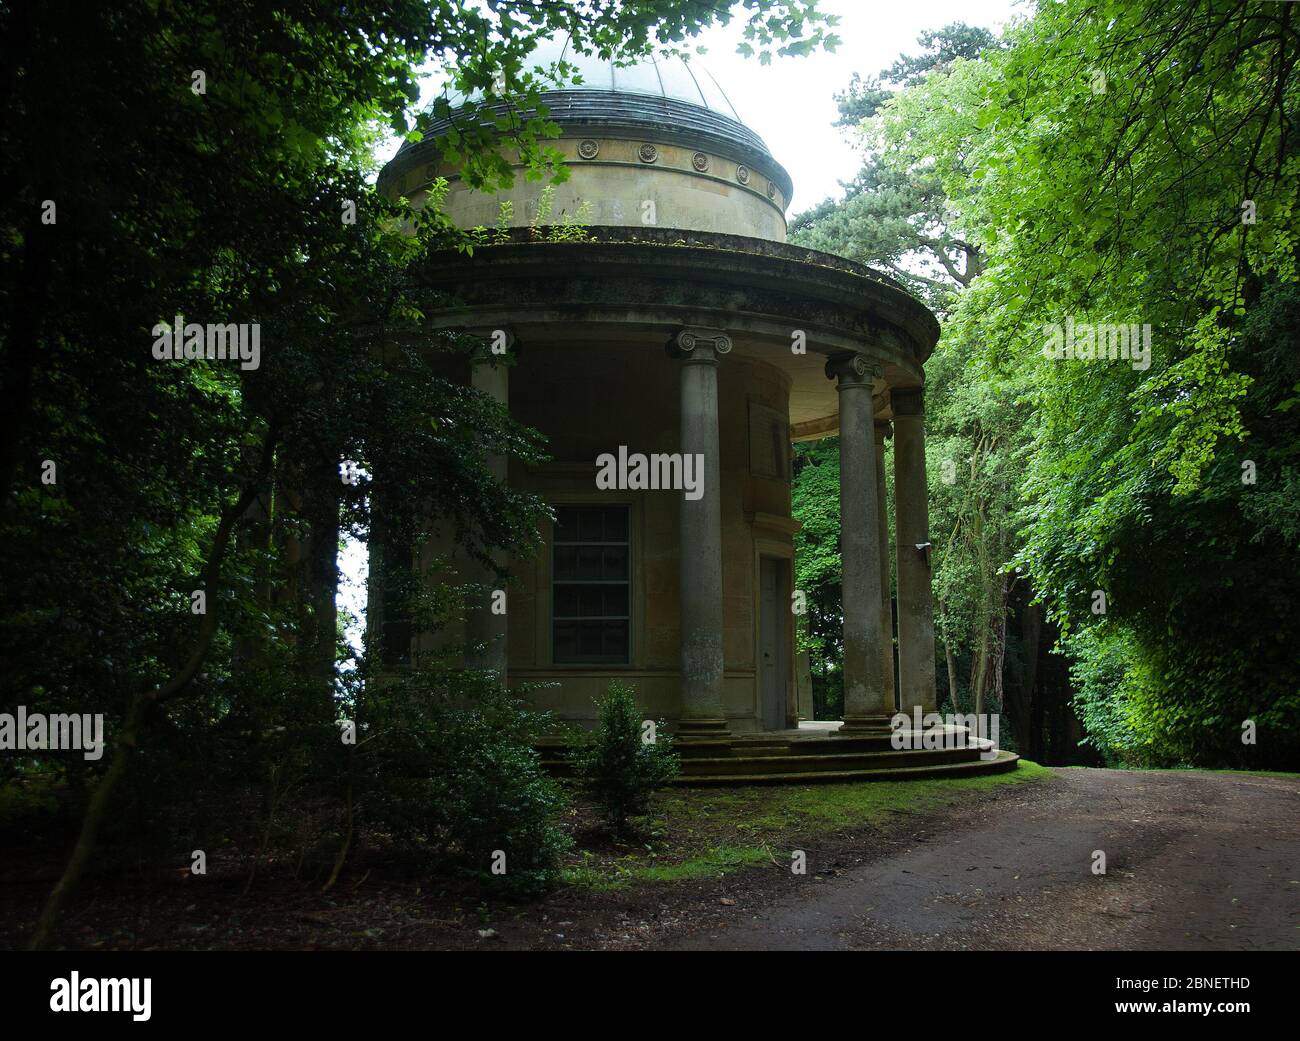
{"type": "Point", "coordinates": [892, 215]}
{"type": "Point", "coordinates": [1119, 164]}
{"type": "Point", "coordinates": [213, 161]}
{"type": "Point", "coordinates": [815, 501]}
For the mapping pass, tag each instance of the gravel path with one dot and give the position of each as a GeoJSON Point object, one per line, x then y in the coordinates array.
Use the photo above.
{"type": "Point", "coordinates": [1194, 861]}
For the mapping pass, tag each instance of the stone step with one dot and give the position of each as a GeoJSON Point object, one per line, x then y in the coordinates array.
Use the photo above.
{"type": "Point", "coordinates": [752, 766]}
{"type": "Point", "coordinates": [885, 743]}
{"type": "Point", "coordinates": [746, 749]}
{"type": "Point", "coordinates": [1004, 763]}
{"type": "Point", "coordinates": [784, 743]}
{"type": "Point", "coordinates": [747, 764]}
{"type": "Point", "coordinates": [743, 758]}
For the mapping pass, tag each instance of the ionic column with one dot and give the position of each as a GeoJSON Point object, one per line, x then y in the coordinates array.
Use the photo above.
{"type": "Point", "coordinates": [700, 577]}
{"type": "Point", "coordinates": [483, 625]}
{"type": "Point", "coordinates": [912, 535]}
{"type": "Point", "coordinates": [882, 526]}
{"type": "Point", "coordinates": [868, 703]}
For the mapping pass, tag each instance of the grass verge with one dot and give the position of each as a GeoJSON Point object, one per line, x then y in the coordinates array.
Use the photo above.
{"type": "Point", "coordinates": [702, 833]}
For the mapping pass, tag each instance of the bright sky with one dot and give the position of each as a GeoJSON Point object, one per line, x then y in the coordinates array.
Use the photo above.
{"type": "Point", "coordinates": [791, 103]}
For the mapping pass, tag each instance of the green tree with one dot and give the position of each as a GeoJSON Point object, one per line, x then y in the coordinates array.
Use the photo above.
{"type": "Point", "coordinates": [1134, 163]}
{"type": "Point", "coordinates": [622, 763]}
{"type": "Point", "coordinates": [895, 215]}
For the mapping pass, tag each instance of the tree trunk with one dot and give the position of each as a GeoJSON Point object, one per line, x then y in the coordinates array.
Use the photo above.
{"type": "Point", "coordinates": [254, 533]}
{"type": "Point", "coordinates": [1031, 632]}
{"type": "Point", "coordinates": [140, 706]}
{"type": "Point", "coordinates": [312, 493]}
{"type": "Point", "coordinates": [91, 823]}
{"type": "Point", "coordinates": [949, 655]}
{"type": "Point", "coordinates": [1000, 645]}
{"type": "Point", "coordinates": [320, 642]}
{"type": "Point", "coordinates": [980, 672]}
{"type": "Point", "coordinates": [952, 673]}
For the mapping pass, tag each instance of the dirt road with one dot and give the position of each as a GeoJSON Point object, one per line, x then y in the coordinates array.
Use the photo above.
{"type": "Point", "coordinates": [1194, 860]}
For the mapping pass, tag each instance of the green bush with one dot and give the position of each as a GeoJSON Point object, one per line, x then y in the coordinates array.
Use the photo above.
{"type": "Point", "coordinates": [449, 770]}
{"type": "Point", "coordinates": [617, 766]}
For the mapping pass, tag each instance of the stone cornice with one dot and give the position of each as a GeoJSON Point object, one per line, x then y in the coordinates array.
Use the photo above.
{"type": "Point", "coordinates": [751, 284]}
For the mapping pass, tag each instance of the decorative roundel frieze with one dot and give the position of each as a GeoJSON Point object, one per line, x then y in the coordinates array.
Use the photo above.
{"type": "Point", "coordinates": [700, 161]}
{"type": "Point", "coordinates": [648, 153]}
{"type": "Point", "coordinates": [588, 149]}
{"type": "Point", "coordinates": [742, 174]}
{"type": "Point", "coordinates": [771, 190]}
{"type": "Point", "coordinates": [431, 171]}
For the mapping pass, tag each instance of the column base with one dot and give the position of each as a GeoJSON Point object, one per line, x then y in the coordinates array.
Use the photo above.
{"type": "Point", "coordinates": [702, 728]}
{"type": "Point", "coordinates": [866, 726]}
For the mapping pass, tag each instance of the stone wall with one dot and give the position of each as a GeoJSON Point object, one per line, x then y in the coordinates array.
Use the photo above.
{"type": "Point", "coordinates": [588, 399]}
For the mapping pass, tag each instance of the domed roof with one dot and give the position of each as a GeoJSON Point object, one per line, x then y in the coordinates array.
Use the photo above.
{"type": "Point", "coordinates": [656, 75]}
{"type": "Point", "coordinates": [671, 97]}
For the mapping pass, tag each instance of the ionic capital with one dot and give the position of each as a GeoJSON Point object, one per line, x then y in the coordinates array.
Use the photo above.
{"type": "Point", "coordinates": [696, 344]}
{"type": "Point", "coordinates": [497, 342]}
{"type": "Point", "coordinates": [853, 369]}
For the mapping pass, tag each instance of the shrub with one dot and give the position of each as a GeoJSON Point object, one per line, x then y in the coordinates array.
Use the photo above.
{"type": "Point", "coordinates": [617, 766]}
{"type": "Point", "coordinates": [449, 770]}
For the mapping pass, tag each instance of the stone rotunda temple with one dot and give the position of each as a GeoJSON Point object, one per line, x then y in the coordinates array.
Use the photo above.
{"type": "Point", "coordinates": [684, 326]}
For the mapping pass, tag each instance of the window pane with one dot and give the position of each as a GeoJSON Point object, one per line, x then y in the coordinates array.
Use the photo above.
{"type": "Point", "coordinates": [591, 525]}
{"type": "Point", "coordinates": [566, 641]}
{"type": "Point", "coordinates": [615, 558]}
{"type": "Point", "coordinates": [591, 601]}
{"type": "Point", "coordinates": [614, 600]}
{"type": "Point", "coordinates": [589, 639]}
{"type": "Point", "coordinates": [566, 563]}
{"type": "Point", "coordinates": [616, 525]}
{"type": "Point", "coordinates": [589, 562]}
{"type": "Point", "coordinates": [615, 640]}
{"type": "Point", "coordinates": [396, 643]}
{"type": "Point", "coordinates": [566, 601]}
{"type": "Point", "coordinates": [591, 598]}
